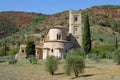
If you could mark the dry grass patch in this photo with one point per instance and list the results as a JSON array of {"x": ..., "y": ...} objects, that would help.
[{"x": 23, "y": 70}]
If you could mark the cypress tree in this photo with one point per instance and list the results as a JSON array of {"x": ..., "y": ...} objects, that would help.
[
  {"x": 116, "y": 43},
  {"x": 86, "y": 35},
  {"x": 5, "y": 48},
  {"x": 30, "y": 48}
]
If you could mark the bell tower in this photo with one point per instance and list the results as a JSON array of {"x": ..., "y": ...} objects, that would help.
[{"x": 75, "y": 27}]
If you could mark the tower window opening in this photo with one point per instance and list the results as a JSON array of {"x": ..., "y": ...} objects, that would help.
[
  {"x": 76, "y": 19},
  {"x": 76, "y": 29}
]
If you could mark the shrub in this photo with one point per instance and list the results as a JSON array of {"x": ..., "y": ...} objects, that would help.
[
  {"x": 79, "y": 52},
  {"x": 1, "y": 60},
  {"x": 75, "y": 62},
  {"x": 40, "y": 18},
  {"x": 95, "y": 56},
  {"x": 109, "y": 55},
  {"x": 32, "y": 59},
  {"x": 12, "y": 60},
  {"x": 116, "y": 55},
  {"x": 13, "y": 51},
  {"x": 51, "y": 64},
  {"x": 103, "y": 48}
]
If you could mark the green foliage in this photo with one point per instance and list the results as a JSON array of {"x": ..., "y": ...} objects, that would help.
[
  {"x": 86, "y": 36},
  {"x": 51, "y": 64},
  {"x": 2, "y": 52},
  {"x": 116, "y": 55},
  {"x": 116, "y": 43},
  {"x": 2, "y": 60},
  {"x": 102, "y": 48},
  {"x": 79, "y": 52},
  {"x": 12, "y": 60},
  {"x": 8, "y": 28},
  {"x": 95, "y": 56},
  {"x": 30, "y": 48},
  {"x": 111, "y": 6},
  {"x": 5, "y": 48},
  {"x": 113, "y": 24},
  {"x": 32, "y": 59},
  {"x": 39, "y": 19},
  {"x": 102, "y": 51},
  {"x": 31, "y": 28},
  {"x": 109, "y": 54},
  {"x": 101, "y": 35},
  {"x": 75, "y": 62},
  {"x": 12, "y": 52}
]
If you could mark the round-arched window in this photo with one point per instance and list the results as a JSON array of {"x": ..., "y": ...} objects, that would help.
[{"x": 59, "y": 36}]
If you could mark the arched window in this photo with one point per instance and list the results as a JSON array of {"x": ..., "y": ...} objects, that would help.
[{"x": 58, "y": 36}]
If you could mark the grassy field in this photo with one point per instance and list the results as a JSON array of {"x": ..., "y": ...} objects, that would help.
[{"x": 23, "y": 70}]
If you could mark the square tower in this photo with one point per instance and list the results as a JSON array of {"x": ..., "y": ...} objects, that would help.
[{"x": 75, "y": 27}]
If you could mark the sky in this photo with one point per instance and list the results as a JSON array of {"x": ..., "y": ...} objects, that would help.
[{"x": 51, "y": 6}]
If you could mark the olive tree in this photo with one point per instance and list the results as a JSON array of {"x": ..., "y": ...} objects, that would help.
[
  {"x": 51, "y": 64},
  {"x": 75, "y": 62}
]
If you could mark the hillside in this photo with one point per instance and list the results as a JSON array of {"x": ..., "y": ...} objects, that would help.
[
  {"x": 19, "y": 27},
  {"x": 106, "y": 16},
  {"x": 12, "y": 22}
]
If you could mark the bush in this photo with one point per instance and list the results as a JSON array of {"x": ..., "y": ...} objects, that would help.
[
  {"x": 116, "y": 55},
  {"x": 12, "y": 52},
  {"x": 32, "y": 59},
  {"x": 79, "y": 52},
  {"x": 1, "y": 60},
  {"x": 75, "y": 62},
  {"x": 103, "y": 48},
  {"x": 95, "y": 56},
  {"x": 109, "y": 55},
  {"x": 12, "y": 60},
  {"x": 51, "y": 64}
]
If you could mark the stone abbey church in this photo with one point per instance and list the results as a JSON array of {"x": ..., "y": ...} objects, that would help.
[{"x": 57, "y": 42}]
